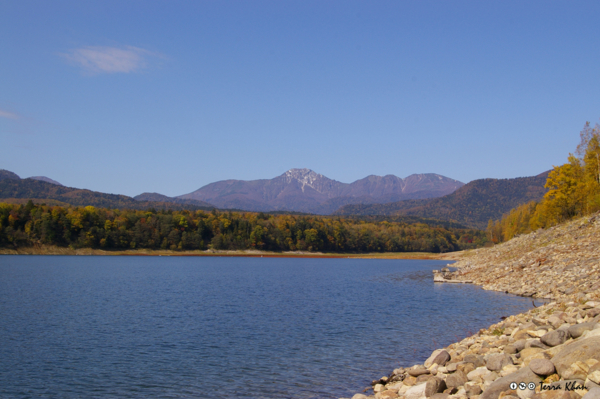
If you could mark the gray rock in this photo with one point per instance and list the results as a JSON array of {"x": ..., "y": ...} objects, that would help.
[
  {"x": 441, "y": 358},
  {"x": 477, "y": 360},
  {"x": 416, "y": 392},
  {"x": 542, "y": 366},
  {"x": 456, "y": 380},
  {"x": 434, "y": 385},
  {"x": 555, "y": 338},
  {"x": 417, "y": 371},
  {"x": 538, "y": 322},
  {"x": 520, "y": 344},
  {"x": 510, "y": 349},
  {"x": 587, "y": 348},
  {"x": 472, "y": 389},
  {"x": 503, "y": 384},
  {"x": 578, "y": 329},
  {"x": 593, "y": 312},
  {"x": 440, "y": 396},
  {"x": 497, "y": 361},
  {"x": 452, "y": 367},
  {"x": 593, "y": 393},
  {"x": 536, "y": 343},
  {"x": 555, "y": 321}
]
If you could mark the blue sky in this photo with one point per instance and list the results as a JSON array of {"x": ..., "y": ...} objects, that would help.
[{"x": 167, "y": 96}]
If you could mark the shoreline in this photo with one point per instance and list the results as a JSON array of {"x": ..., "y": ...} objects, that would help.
[
  {"x": 551, "y": 351},
  {"x": 54, "y": 250}
]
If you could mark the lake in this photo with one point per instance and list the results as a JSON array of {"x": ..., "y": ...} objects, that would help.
[{"x": 208, "y": 327}]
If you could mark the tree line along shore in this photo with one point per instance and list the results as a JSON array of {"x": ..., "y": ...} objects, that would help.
[{"x": 31, "y": 225}]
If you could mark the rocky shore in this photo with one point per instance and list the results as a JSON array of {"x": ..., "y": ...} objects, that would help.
[{"x": 550, "y": 352}]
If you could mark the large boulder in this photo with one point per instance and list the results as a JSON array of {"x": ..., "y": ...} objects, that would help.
[
  {"x": 579, "y": 350},
  {"x": 593, "y": 393},
  {"x": 503, "y": 384}
]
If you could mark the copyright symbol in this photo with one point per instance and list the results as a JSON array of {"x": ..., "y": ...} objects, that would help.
[
  {"x": 531, "y": 386},
  {"x": 513, "y": 385}
]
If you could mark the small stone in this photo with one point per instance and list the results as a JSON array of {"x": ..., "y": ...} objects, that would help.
[
  {"x": 541, "y": 366},
  {"x": 456, "y": 380},
  {"x": 439, "y": 396},
  {"x": 555, "y": 321},
  {"x": 578, "y": 329},
  {"x": 410, "y": 381},
  {"x": 451, "y": 368},
  {"x": 466, "y": 367},
  {"x": 434, "y": 385},
  {"x": 472, "y": 389},
  {"x": 416, "y": 392},
  {"x": 497, "y": 361},
  {"x": 477, "y": 360},
  {"x": 417, "y": 371},
  {"x": 593, "y": 312},
  {"x": 555, "y": 338},
  {"x": 478, "y": 372},
  {"x": 508, "y": 369},
  {"x": 389, "y": 394},
  {"x": 520, "y": 344},
  {"x": 439, "y": 356}
]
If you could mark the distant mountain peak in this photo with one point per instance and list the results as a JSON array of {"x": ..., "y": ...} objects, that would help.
[
  {"x": 7, "y": 174},
  {"x": 46, "y": 179},
  {"x": 305, "y": 177}
]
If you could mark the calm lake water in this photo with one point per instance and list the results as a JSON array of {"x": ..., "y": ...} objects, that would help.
[{"x": 188, "y": 327}]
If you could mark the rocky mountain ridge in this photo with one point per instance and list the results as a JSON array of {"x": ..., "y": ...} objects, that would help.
[{"x": 304, "y": 190}]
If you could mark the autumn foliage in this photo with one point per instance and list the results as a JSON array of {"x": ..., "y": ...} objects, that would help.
[
  {"x": 90, "y": 227},
  {"x": 573, "y": 191}
]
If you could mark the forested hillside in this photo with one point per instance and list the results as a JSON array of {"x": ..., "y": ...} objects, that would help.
[
  {"x": 30, "y": 224},
  {"x": 573, "y": 191},
  {"x": 40, "y": 191},
  {"x": 474, "y": 204}
]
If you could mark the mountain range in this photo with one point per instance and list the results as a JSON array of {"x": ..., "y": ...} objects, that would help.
[
  {"x": 419, "y": 197},
  {"x": 13, "y": 189},
  {"x": 474, "y": 204},
  {"x": 303, "y": 190}
]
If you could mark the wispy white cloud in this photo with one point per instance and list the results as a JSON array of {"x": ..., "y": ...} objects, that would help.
[
  {"x": 100, "y": 59},
  {"x": 9, "y": 115}
]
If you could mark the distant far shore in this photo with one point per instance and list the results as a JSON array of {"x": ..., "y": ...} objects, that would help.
[{"x": 54, "y": 250}]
